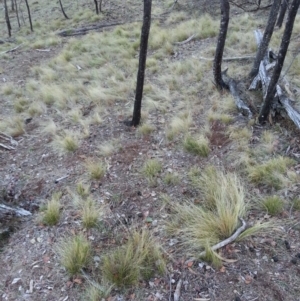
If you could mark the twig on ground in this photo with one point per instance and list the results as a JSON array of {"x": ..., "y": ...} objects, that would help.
[
  {"x": 11, "y": 50},
  {"x": 228, "y": 240},
  {"x": 186, "y": 41},
  {"x": 228, "y": 59},
  {"x": 61, "y": 178},
  {"x": 43, "y": 50},
  {"x": 177, "y": 290},
  {"x": 6, "y": 147}
]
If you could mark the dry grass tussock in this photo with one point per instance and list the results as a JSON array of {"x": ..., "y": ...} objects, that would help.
[
  {"x": 223, "y": 202},
  {"x": 140, "y": 258}
]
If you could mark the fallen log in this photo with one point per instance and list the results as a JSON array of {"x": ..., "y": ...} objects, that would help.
[
  {"x": 286, "y": 103},
  {"x": 12, "y": 211},
  {"x": 237, "y": 95},
  {"x": 85, "y": 30},
  {"x": 281, "y": 100}
]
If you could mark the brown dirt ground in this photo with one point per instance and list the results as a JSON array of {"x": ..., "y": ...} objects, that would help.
[{"x": 263, "y": 270}]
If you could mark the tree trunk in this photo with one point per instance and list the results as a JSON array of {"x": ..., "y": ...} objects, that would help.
[
  {"x": 12, "y": 5},
  {"x": 17, "y": 13},
  {"x": 7, "y": 18},
  {"x": 29, "y": 15},
  {"x": 62, "y": 9},
  {"x": 142, "y": 63},
  {"x": 283, "y": 7},
  {"x": 280, "y": 60},
  {"x": 266, "y": 38},
  {"x": 96, "y": 6},
  {"x": 225, "y": 8}
]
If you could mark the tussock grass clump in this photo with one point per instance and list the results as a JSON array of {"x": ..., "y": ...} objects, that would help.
[
  {"x": 223, "y": 203},
  {"x": 273, "y": 204},
  {"x": 8, "y": 89},
  {"x": 83, "y": 190},
  {"x": 97, "y": 292},
  {"x": 95, "y": 168},
  {"x": 137, "y": 259},
  {"x": 197, "y": 146},
  {"x": 52, "y": 212},
  {"x": 151, "y": 168},
  {"x": 16, "y": 127},
  {"x": 296, "y": 204},
  {"x": 75, "y": 253},
  {"x": 272, "y": 173},
  {"x": 171, "y": 178},
  {"x": 146, "y": 129},
  {"x": 109, "y": 147},
  {"x": 90, "y": 213},
  {"x": 66, "y": 143}
]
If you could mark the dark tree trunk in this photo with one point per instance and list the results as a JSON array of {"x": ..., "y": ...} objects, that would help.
[
  {"x": 266, "y": 38},
  {"x": 12, "y": 5},
  {"x": 283, "y": 7},
  {"x": 225, "y": 8},
  {"x": 142, "y": 63},
  {"x": 96, "y": 6},
  {"x": 7, "y": 18},
  {"x": 29, "y": 15},
  {"x": 17, "y": 13},
  {"x": 100, "y": 6},
  {"x": 280, "y": 60},
  {"x": 62, "y": 9}
]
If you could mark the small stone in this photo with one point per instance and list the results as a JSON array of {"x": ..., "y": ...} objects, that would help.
[
  {"x": 16, "y": 280},
  {"x": 294, "y": 260},
  {"x": 275, "y": 258},
  {"x": 287, "y": 245}
]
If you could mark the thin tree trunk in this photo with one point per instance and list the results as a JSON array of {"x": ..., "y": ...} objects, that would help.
[
  {"x": 62, "y": 9},
  {"x": 100, "y": 6},
  {"x": 225, "y": 8},
  {"x": 266, "y": 38},
  {"x": 283, "y": 7},
  {"x": 7, "y": 18},
  {"x": 12, "y": 5},
  {"x": 17, "y": 13},
  {"x": 280, "y": 60},
  {"x": 142, "y": 63},
  {"x": 29, "y": 15},
  {"x": 96, "y": 6},
  {"x": 20, "y": 10}
]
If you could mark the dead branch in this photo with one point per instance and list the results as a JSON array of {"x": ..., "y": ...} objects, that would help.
[
  {"x": 85, "y": 30},
  {"x": 6, "y": 210},
  {"x": 177, "y": 290},
  {"x": 6, "y": 146},
  {"x": 228, "y": 59},
  {"x": 11, "y": 50},
  {"x": 286, "y": 103},
  {"x": 186, "y": 41},
  {"x": 228, "y": 240},
  {"x": 43, "y": 50},
  {"x": 237, "y": 95}
]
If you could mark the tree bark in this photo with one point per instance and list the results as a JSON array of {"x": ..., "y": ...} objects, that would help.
[
  {"x": 142, "y": 63},
  {"x": 29, "y": 15},
  {"x": 62, "y": 9},
  {"x": 264, "y": 112},
  {"x": 225, "y": 8},
  {"x": 96, "y": 6},
  {"x": 12, "y": 5},
  {"x": 17, "y": 13},
  {"x": 7, "y": 18},
  {"x": 283, "y": 7},
  {"x": 266, "y": 38}
]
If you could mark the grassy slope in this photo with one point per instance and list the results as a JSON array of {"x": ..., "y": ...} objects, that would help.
[{"x": 91, "y": 82}]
